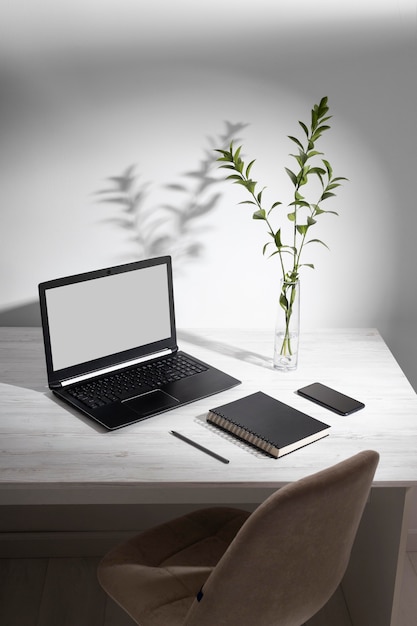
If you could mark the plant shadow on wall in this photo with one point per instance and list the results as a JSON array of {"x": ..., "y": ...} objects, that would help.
[{"x": 172, "y": 228}]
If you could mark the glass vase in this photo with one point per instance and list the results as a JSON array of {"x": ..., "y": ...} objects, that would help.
[{"x": 287, "y": 327}]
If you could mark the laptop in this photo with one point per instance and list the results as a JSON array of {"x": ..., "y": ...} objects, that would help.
[{"x": 111, "y": 346}]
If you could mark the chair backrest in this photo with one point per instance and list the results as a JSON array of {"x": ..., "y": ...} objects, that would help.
[{"x": 292, "y": 552}]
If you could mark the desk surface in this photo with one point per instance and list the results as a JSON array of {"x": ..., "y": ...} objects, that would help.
[{"x": 51, "y": 454}]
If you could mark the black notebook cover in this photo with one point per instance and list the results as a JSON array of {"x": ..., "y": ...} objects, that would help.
[{"x": 268, "y": 424}]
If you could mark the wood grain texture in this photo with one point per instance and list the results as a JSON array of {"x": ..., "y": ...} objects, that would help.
[{"x": 50, "y": 453}]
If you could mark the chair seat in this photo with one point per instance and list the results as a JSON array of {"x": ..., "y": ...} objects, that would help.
[
  {"x": 157, "y": 574},
  {"x": 225, "y": 567}
]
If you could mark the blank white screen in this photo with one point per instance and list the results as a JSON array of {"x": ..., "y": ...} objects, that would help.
[{"x": 96, "y": 318}]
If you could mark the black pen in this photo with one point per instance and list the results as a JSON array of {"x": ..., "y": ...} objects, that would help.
[{"x": 197, "y": 445}]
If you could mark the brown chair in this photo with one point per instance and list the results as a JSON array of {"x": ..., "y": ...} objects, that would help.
[{"x": 225, "y": 567}]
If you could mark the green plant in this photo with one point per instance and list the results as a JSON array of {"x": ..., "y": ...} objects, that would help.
[{"x": 303, "y": 214}]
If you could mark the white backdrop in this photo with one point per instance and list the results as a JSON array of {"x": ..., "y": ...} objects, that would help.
[{"x": 89, "y": 88}]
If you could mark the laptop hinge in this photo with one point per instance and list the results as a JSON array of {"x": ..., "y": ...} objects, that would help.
[{"x": 114, "y": 368}]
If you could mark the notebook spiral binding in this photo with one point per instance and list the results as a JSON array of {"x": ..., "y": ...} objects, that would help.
[{"x": 236, "y": 429}]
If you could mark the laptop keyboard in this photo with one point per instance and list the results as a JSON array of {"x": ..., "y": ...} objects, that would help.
[{"x": 140, "y": 379}]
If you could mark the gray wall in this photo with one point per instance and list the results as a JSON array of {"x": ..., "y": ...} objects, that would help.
[{"x": 87, "y": 89}]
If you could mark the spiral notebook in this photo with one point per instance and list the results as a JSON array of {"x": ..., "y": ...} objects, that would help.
[{"x": 268, "y": 424}]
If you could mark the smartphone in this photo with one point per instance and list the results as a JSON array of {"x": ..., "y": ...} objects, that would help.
[{"x": 330, "y": 399}]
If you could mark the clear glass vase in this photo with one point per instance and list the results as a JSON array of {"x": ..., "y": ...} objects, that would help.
[{"x": 287, "y": 327}]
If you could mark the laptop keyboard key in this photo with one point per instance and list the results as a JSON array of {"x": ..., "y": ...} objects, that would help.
[{"x": 136, "y": 381}]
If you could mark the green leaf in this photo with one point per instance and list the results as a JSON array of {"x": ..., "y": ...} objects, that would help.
[
  {"x": 277, "y": 238},
  {"x": 248, "y": 202},
  {"x": 304, "y": 127},
  {"x": 259, "y": 215},
  {"x": 248, "y": 184},
  {"x": 291, "y": 216},
  {"x": 300, "y": 159},
  {"x": 320, "y": 211},
  {"x": 311, "y": 221},
  {"x": 274, "y": 205},
  {"x": 324, "y": 119},
  {"x": 307, "y": 265},
  {"x": 259, "y": 196},
  {"x": 304, "y": 157},
  {"x": 320, "y": 178},
  {"x": 292, "y": 176},
  {"x": 322, "y": 107},
  {"x": 328, "y": 167},
  {"x": 302, "y": 228},
  {"x": 314, "y": 116},
  {"x": 291, "y": 277},
  {"x": 283, "y": 301},
  {"x": 236, "y": 155},
  {"x": 327, "y": 194},
  {"x": 299, "y": 203},
  {"x": 281, "y": 251},
  {"x": 317, "y": 170},
  {"x": 248, "y": 169},
  {"x": 265, "y": 247},
  {"x": 236, "y": 177},
  {"x": 317, "y": 241},
  {"x": 303, "y": 176},
  {"x": 297, "y": 141}
]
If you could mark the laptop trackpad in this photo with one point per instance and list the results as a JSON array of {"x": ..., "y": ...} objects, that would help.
[{"x": 152, "y": 402}]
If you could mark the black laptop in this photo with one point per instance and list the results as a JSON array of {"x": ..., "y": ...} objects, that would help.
[{"x": 111, "y": 346}]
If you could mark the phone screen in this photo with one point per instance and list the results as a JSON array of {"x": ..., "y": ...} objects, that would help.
[{"x": 331, "y": 399}]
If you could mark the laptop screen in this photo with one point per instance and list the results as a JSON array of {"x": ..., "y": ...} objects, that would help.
[{"x": 99, "y": 318}]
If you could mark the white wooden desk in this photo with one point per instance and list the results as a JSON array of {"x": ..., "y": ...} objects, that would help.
[{"x": 52, "y": 455}]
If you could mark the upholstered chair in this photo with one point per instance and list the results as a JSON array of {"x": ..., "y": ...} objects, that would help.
[{"x": 277, "y": 566}]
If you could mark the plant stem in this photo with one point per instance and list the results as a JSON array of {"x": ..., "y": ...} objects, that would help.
[{"x": 287, "y": 304}]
